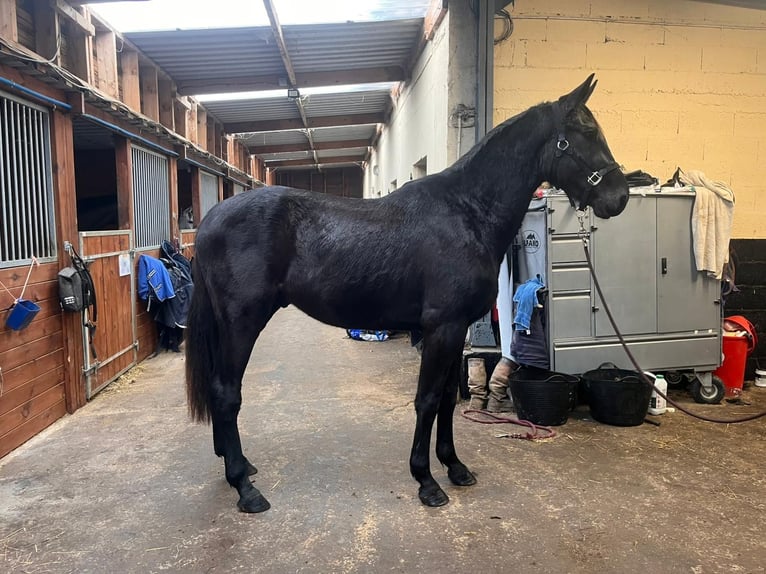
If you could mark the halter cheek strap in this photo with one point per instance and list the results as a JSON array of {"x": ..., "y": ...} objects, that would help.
[{"x": 563, "y": 147}]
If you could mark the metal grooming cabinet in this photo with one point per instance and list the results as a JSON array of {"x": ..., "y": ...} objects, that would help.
[{"x": 668, "y": 312}]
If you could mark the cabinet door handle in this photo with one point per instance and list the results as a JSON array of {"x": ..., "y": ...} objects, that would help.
[{"x": 664, "y": 265}]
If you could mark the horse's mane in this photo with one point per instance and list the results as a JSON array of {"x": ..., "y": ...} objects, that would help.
[
  {"x": 583, "y": 115},
  {"x": 491, "y": 136}
]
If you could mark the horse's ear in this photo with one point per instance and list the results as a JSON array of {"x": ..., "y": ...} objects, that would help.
[{"x": 579, "y": 95}]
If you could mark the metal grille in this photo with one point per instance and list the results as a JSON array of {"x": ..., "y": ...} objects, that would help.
[
  {"x": 208, "y": 193},
  {"x": 27, "y": 225},
  {"x": 151, "y": 197}
]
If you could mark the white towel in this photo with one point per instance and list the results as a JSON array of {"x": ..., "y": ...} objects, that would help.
[{"x": 711, "y": 222}]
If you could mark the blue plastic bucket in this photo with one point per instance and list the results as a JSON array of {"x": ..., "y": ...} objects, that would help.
[{"x": 21, "y": 314}]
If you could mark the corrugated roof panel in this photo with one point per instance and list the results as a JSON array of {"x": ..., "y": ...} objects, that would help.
[
  {"x": 229, "y": 111},
  {"x": 324, "y": 166},
  {"x": 192, "y": 55},
  {"x": 319, "y": 105},
  {"x": 274, "y": 138},
  {"x": 287, "y": 155},
  {"x": 342, "y": 133},
  {"x": 351, "y": 45},
  {"x": 326, "y": 154}
]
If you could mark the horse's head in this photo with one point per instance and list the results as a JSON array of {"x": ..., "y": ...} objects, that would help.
[{"x": 579, "y": 158}]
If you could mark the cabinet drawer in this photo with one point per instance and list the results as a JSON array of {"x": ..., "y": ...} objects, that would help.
[
  {"x": 567, "y": 251},
  {"x": 563, "y": 219},
  {"x": 571, "y": 316},
  {"x": 570, "y": 279}
]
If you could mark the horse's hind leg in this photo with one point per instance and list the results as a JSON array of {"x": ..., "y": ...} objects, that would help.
[
  {"x": 457, "y": 472},
  {"x": 226, "y": 401},
  {"x": 440, "y": 347}
]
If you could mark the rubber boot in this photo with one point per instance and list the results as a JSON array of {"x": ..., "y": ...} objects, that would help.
[
  {"x": 477, "y": 384},
  {"x": 499, "y": 399}
]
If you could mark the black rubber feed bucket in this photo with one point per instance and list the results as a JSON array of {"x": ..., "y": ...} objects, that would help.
[
  {"x": 543, "y": 397},
  {"x": 617, "y": 396}
]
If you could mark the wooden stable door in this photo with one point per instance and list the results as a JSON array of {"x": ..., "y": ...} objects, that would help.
[{"x": 109, "y": 255}]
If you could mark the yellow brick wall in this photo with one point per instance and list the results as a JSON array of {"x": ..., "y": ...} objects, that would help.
[{"x": 681, "y": 83}]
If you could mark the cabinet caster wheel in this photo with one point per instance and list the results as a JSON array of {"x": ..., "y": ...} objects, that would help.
[{"x": 708, "y": 396}]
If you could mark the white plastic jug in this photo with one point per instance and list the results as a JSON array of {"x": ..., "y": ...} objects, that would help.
[{"x": 657, "y": 404}]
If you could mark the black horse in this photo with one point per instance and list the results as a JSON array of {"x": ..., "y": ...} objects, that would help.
[{"x": 423, "y": 259}]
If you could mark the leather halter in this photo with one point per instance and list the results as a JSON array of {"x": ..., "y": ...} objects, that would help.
[{"x": 563, "y": 147}]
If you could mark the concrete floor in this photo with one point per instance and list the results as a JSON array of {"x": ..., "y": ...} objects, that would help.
[{"x": 128, "y": 484}]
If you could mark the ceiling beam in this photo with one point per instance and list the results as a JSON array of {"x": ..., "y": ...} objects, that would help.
[
  {"x": 304, "y": 80},
  {"x": 295, "y": 124},
  {"x": 279, "y": 38},
  {"x": 311, "y": 161},
  {"x": 283, "y": 148}
]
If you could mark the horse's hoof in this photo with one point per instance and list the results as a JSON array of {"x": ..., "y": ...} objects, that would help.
[
  {"x": 461, "y": 476},
  {"x": 253, "y": 503},
  {"x": 251, "y": 470},
  {"x": 433, "y": 498}
]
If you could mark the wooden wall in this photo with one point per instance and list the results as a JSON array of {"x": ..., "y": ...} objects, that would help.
[
  {"x": 31, "y": 360},
  {"x": 343, "y": 182}
]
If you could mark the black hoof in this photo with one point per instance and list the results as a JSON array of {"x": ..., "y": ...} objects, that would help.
[
  {"x": 433, "y": 497},
  {"x": 461, "y": 476},
  {"x": 251, "y": 470},
  {"x": 253, "y": 503}
]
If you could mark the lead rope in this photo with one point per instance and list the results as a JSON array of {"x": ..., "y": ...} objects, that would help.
[
  {"x": 583, "y": 236},
  {"x": 488, "y": 418},
  {"x": 24, "y": 288}
]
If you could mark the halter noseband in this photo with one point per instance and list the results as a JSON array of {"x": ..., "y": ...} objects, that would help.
[{"x": 563, "y": 147}]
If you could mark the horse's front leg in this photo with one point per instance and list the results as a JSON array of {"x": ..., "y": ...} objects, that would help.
[
  {"x": 440, "y": 347},
  {"x": 457, "y": 472}
]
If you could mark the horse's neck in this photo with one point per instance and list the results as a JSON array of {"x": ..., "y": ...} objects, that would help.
[{"x": 504, "y": 174}]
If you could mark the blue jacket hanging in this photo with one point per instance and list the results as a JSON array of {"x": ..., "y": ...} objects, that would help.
[
  {"x": 526, "y": 301},
  {"x": 153, "y": 279}
]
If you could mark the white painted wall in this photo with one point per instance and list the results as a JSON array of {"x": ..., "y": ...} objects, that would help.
[{"x": 420, "y": 125}]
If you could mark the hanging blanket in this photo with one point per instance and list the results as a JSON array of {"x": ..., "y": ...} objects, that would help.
[{"x": 712, "y": 217}]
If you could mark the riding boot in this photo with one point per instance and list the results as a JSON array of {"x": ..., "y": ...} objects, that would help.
[
  {"x": 477, "y": 383},
  {"x": 499, "y": 399}
]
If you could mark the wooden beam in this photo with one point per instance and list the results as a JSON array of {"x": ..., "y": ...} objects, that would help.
[
  {"x": 202, "y": 127},
  {"x": 311, "y": 161},
  {"x": 191, "y": 124},
  {"x": 196, "y": 186},
  {"x": 166, "y": 93},
  {"x": 175, "y": 230},
  {"x": 46, "y": 32},
  {"x": 218, "y": 150},
  {"x": 124, "y": 161},
  {"x": 279, "y": 38},
  {"x": 211, "y": 131},
  {"x": 263, "y": 149},
  {"x": 179, "y": 115},
  {"x": 321, "y": 122},
  {"x": 9, "y": 26},
  {"x": 74, "y": 16},
  {"x": 433, "y": 18},
  {"x": 62, "y": 154},
  {"x": 106, "y": 63},
  {"x": 80, "y": 48},
  {"x": 150, "y": 102},
  {"x": 129, "y": 78},
  {"x": 228, "y": 151},
  {"x": 305, "y": 80}
]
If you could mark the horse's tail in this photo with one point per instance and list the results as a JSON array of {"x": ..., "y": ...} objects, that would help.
[{"x": 201, "y": 343}]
